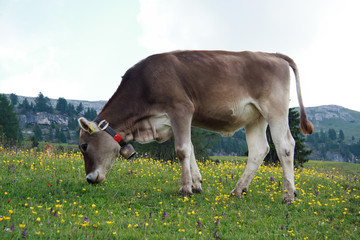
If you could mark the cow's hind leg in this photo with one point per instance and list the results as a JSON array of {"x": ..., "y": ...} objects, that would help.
[
  {"x": 285, "y": 144},
  {"x": 195, "y": 173},
  {"x": 258, "y": 148}
]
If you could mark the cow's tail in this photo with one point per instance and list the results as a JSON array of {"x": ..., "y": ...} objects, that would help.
[{"x": 305, "y": 125}]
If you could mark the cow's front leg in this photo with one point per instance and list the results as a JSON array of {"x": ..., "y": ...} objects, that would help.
[
  {"x": 180, "y": 118},
  {"x": 195, "y": 173},
  {"x": 183, "y": 153}
]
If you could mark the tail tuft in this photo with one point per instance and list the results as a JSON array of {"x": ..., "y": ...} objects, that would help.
[{"x": 305, "y": 125}]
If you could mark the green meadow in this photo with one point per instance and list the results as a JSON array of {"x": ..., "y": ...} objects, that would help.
[{"x": 47, "y": 197}]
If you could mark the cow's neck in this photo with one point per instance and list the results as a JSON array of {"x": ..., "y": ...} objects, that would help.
[
  {"x": 128, "y": 114},
  {"x": 122, "y": 120},
  {"x": 136, "y": 124}
]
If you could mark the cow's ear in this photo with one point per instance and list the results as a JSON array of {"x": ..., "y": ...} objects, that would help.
[{"x": 85, "y": 125}]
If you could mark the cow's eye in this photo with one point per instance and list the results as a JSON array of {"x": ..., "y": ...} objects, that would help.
[{"x": 84, "y": 146}]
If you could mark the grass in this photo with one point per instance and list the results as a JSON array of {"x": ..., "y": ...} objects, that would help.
[
  {"x": 45, "y": 197},
  {"x": 338, "y": 168}
]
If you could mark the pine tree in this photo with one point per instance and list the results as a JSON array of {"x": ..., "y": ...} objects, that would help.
[
  {"x": 60, "y": 136},
  {"x": 34, "y": 142},
  {"x": 71, "y": 110},
  {"x": 25, "y": 106},
  {"x": 38, "y": 132},
  {"x": 300, "y": 153},
  {"x": 341, "y": 136},
  {"x": 90, "y": 114},
  {"x": 332, "y": 134},
  {"x": 42, "y": 104},
  {"x": 14, "y": 99},
  {"x": 61, "y": 105},
  {"x": 79, "y": 108},
  {"x": 8, "y": 121}
]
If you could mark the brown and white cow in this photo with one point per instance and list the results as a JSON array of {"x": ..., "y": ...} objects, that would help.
[{"x": 164, "y": 94}]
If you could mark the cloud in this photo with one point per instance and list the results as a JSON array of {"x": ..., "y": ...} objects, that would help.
[
  {"x": 329, "y": 64},
  {"x": 275, "y": 25},
  {"x": 66, "y": 48},
  {"x": 44, "y": 75},
  {"x": 320, "y": 35},
  {"x": 80, "y": 49}
]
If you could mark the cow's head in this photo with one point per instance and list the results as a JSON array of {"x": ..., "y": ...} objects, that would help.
[{"x": 100, "y": 150}]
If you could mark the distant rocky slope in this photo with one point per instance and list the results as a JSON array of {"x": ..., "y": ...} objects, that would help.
[
  {"x": 335, "y": 117},
  {"x": 54, "y": 125},
  {"x": 97, "y": 105}
]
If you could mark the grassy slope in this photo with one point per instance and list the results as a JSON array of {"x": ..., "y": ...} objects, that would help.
[
  {"x": 339, "y": 168},
  {"x": 49, "y": 198},
  {"x": 350, "y": 128}
]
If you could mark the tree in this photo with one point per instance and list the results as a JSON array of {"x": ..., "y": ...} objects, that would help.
[
  {"x": 42, "y": 104},
  {"x": 300, "y": 153},
  {"x": 50, "y": 136},
  {"x": 73, "y": 124},
  {"x": 71, "y": 110},
  {"x": 79, "y": 108},
  {"x": 90, "y": 114},
  {"x": 14, "y": 99},
  {"x": 332, "y": 134},
  {"x": 60, "y": 136},
  {"x": 38, "y": 132},
  {"x": 25, "y": 106},
  {"x": 341, "y": 135},
  {"x": 61, "y": 105},
  {"x": 8, "y": 121},
  {"x": 34, "y": 142}
]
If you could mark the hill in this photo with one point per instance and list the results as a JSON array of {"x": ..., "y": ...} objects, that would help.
[
  {"x": 337, "y": 118},
  {"x": 52, "y": 124}
]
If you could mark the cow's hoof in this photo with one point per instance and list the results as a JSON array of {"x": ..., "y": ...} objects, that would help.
[
  {"x": 235, "y": 193},
  {"x": 287, "y": 201},
  {"x": 289, "y": 198},
  {"x": 197, "y": 189},
  {"x": 185, "y": 191}
]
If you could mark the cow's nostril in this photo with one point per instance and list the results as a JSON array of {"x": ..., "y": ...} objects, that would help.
[
  {"x": 89, "y": 180},
  {"x": 92, "y": 177}
]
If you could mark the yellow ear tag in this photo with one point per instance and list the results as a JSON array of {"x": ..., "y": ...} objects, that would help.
[{"x": 91, "y": 129}]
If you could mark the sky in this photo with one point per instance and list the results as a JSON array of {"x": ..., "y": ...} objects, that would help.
[{"x": 81, "y": 49}]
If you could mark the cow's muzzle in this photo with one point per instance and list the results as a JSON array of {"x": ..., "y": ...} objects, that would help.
[
  {"x": 93, "y": 177},
  {"x": 127, "y": 151}
]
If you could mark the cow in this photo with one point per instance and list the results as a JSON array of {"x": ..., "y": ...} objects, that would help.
[{"x": 165, "y": 94}]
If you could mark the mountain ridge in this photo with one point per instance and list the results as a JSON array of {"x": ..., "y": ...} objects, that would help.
[{"x": 335, "y": 117}]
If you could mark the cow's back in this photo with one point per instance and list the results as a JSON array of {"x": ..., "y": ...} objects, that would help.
[{"x": 225, "y": 88}]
